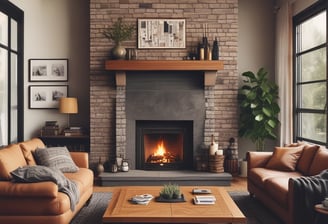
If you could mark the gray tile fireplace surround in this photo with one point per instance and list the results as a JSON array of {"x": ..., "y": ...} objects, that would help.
[{"x": 153, "y": 178}]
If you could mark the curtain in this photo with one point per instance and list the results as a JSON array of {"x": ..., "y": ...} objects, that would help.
[{"x": 284, "y": 75}]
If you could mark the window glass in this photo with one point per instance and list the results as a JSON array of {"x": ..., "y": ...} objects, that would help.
[
  {"x": 3, "y": 97},
  {"x": 310, "y": 74},
  {"x": 313, "y": 96},
  {"x": 3, "y": 29},
  {"x": 14, "y": 99},
  {"x": 313, "y": 65},
  {"x": 313, "y": 32},
  {"x": 313, "y": 126},
  {"x": 13, "y": 35}
]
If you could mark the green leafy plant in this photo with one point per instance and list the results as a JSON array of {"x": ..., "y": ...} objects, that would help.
[
  {"x": 258, "y": 107},
  {"x": 120, "y": 31},
  {"x": 170, "y": 191}
]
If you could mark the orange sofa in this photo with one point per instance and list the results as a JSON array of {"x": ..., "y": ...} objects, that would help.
[
  {"x": 271, "y": 175},
  {"x": 39, "y": 202}
]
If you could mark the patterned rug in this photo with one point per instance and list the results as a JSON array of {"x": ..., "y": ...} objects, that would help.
[
  {"x": 255, "y": 212},
  {"x": 93, "y": 212}
]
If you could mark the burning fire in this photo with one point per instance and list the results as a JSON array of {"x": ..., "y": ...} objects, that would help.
[
  {"x": 160, "y": 150},
  {"x": 162, "y": 155}
]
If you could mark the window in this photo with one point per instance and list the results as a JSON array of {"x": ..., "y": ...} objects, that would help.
[
  {"x": 310, "y": 74},
  {"x": 11, "y": 73}
]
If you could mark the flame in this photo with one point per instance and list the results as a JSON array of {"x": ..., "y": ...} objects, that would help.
[{"x": 160, "y": 150}]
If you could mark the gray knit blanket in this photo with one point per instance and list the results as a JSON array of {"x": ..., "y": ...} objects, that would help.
[{"x": 33, "y": 174}]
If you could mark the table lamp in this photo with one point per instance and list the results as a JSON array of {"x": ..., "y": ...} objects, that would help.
[{"x": 68, "y": 105}]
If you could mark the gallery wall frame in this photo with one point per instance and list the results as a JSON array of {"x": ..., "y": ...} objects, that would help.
[
  {"x": 46, "y": 96},
  {"x": 48, "y": 70},
  {"x": 161, "y": 33}
]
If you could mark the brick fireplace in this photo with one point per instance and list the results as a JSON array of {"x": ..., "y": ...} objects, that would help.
[
  {"x": 162, "y": 92},
  {"x": 110, "y": 129}
]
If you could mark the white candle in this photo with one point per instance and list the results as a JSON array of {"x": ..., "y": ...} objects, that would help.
[
  {"x": 213, "y": 148},
  {"x": 219, "y": 152}
]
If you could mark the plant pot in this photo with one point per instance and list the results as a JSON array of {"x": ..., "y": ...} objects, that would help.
[{"x": 118, "y": 52}]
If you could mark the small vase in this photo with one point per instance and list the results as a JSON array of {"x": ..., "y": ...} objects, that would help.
[
  {"x": 100, "y": 167},
  {"x": 118, "y": 52}
]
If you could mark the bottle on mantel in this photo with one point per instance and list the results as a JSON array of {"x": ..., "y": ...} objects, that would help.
[{"x": 215, "y": 49}]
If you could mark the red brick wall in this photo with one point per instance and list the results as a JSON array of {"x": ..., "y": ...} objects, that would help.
[{"x": 221, "y": 17}]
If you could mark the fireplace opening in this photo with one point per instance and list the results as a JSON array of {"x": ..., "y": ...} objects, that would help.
[{"x": 164, "y": 145}]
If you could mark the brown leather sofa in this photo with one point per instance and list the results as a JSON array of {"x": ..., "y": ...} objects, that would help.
[
  {"x": 271, "y": 175},
  {"x": 39, "y": 202}
]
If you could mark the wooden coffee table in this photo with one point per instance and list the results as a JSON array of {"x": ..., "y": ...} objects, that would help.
[{"x": 120, "y": 210}]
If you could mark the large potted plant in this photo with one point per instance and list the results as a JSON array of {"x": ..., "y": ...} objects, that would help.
[
  {"x": 258, "y": 107},
  {"x": 118, "y": 33}
]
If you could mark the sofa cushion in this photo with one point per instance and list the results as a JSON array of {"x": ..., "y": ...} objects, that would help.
[
  {"x": 55, "y": 157},
  {"x": 277, "y": 188},
  {"x": 304, "y": 162},
  {"x": 83, "y": 178},
  {"x": 320, "y": 162},
  {"x": 28, "y": 147},
  {"x": 285, "y": 158},
  {"x": 260, "y": 175},
  {"x": 11, "y": 158}
]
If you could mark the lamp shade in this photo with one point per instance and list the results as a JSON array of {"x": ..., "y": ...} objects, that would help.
[{"x": 68, "y": 105}]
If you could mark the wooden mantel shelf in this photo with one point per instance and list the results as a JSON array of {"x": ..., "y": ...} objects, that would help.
[
  {"x": 164, "y": 65},
  {"x": 120, "y": 67}
]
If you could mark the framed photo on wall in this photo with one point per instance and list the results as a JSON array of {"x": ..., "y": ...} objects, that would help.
[
  {"x": 46, "y": 97},
  {"x": 46, "y": 70},
  {"x": 161, "y": 33}
]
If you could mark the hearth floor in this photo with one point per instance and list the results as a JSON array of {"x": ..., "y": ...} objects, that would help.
[{"x": 181, "y": 177}]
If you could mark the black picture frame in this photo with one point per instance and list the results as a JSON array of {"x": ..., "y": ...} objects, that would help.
[
  {"x": 46, "y": 96},
  {"x": 48, "y": 70}
]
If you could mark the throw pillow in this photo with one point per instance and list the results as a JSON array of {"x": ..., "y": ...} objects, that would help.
[
  {"x": 284, "y": 158},
  {"x": 55, "y": 157},
  {"x": 11, "y": 158},
  {"x": 304, "y": 163},
  {"x": 28, "y": 147}
]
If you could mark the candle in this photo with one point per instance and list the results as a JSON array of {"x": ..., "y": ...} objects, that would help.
[
  {"x": 219, "y": 152},
  {"x": 213, "y": 149}
]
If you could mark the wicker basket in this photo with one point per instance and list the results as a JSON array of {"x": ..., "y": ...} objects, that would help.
[{"x": 216, "y": 163}]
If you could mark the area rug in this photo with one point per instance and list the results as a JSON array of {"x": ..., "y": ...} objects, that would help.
[
  {"x": 93, "y": 212},
  {"x": 255, "y": 212},
  {"x": 253, "y": 209}
]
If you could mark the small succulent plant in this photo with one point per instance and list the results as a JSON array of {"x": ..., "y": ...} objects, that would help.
[{"x": 170, "y": 191}]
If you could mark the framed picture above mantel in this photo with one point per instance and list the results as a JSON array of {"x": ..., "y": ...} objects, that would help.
[
  {"x": 46, "y": 70},
  {"x": 161, "y": 33}
]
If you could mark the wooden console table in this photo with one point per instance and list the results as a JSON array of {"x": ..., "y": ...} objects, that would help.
[{"x": 73, "y": 143}]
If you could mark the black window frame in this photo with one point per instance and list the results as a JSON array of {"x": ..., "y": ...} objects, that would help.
[
  {"x": 15, "y": 13},
  {"x": 308, "y": 13}
]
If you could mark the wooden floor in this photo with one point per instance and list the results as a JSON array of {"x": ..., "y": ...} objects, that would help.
[{"x": 237, "y": 184}]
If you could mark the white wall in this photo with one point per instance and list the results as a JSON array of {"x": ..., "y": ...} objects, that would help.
[
  {"x": 256, "y": 44},
  {"x": 255, "y": 47},
  {"x": 57, "y": 29}
]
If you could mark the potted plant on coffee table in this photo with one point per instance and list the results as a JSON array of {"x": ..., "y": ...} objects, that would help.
[
  {"x": 258, "y": 107},
  {"x": 170, "y": 193},
  {"x": 118, "y": 33}
]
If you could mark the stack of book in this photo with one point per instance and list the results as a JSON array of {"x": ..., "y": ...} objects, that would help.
[
  {"x": 204, "y": 199},
  {"x": 51, "y": 128},
  {"x": 143, "y": 199},
  {"x": 73, "y": 131}
]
